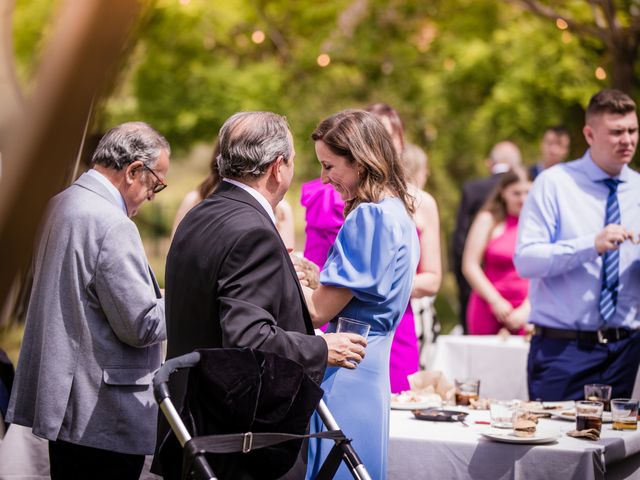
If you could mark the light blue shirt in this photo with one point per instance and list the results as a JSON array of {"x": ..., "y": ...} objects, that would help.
[
  {"x": 111, "y": 187},
  {"x": 562, "y": 215},
  {"x": 255, "y": 194}
]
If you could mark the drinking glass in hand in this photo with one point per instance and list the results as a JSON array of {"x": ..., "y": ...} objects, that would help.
[
  {"x": 596, "y": 392},
  {"x": 349, "y": 325},
  {"x": 466, "y": 391},
  {"x": 589, "y": 415},
  {"x": 624, "y": 413}
]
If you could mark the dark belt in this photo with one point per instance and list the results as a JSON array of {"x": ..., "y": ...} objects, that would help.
[{"x": 599, "y": 336}]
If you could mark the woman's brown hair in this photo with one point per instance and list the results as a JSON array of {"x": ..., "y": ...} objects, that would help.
[
  {"x": 495, "y": 204},
  {"x": 361, "y": 138}
]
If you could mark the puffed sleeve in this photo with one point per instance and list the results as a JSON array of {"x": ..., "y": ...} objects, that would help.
[{"x": 364, "y": 254}]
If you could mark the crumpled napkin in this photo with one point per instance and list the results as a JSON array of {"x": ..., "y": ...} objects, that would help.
[
  {"x": 589, "y": 434},
  {"x": 426, "y": 382}
]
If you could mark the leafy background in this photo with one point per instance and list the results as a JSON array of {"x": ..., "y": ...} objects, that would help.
[{"x": 463, "y": 74}]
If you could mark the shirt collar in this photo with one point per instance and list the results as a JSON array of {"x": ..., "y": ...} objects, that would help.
[
  {"x": 596, "y": 174},
  {"x": 255, "y": 194},
  {"x": 110, "y": 187}
]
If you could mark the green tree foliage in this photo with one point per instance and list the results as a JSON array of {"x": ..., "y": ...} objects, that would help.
[{"x": 463, "y": 74}]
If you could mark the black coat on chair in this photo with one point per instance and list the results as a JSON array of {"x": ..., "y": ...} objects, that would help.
[{"x": 244, "y": 390}]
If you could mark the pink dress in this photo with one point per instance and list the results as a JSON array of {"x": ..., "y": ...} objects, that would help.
[
  {"x": 499, "y": 269},
  {"x": 404, "y": 359},
  {"x": 324, "y": 217}
]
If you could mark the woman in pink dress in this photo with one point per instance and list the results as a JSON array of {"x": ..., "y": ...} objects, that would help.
[{"x": 499, "y": 297}]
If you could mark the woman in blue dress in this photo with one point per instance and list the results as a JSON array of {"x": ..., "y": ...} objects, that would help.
[{"x": 367, "y": 277}]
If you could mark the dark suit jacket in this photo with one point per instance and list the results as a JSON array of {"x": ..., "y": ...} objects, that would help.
[
  {"x": 474, "y": 194},
  {"x": 230, "y": 283},
  {"x": 534, "y": 171}
]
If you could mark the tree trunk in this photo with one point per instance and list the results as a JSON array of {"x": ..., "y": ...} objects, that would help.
[{"x": 623, "y": 76}]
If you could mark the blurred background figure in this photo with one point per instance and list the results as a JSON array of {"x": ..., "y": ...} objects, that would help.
[
  {"x": 554, "y": 149},
  {"x": 284, "y": 214},
  {"x": 405, "y": 351},
  {"x": 500, "y": 296},
  {"x": 504, "y": 156}
]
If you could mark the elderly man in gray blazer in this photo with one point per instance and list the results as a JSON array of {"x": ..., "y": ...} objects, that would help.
[{"x": 96, "y": 319}]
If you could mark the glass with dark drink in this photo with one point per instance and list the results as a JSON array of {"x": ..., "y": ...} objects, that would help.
[
  {"x": 597, "y": 392},
  {"x": 589, "y": 415},
  {"x": 467, "y": 390}
]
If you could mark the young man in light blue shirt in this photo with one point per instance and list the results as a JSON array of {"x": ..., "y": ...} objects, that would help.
[{"x": 577, "y": 245}]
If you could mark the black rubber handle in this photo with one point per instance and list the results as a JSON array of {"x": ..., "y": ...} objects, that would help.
[{"x": 160, "y": 389}]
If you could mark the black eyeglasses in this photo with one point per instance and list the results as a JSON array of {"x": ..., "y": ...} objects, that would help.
[{"x": 160, "y": 185}]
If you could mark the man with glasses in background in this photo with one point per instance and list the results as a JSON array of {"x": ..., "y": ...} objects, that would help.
[{"x": 96, "y": 318}]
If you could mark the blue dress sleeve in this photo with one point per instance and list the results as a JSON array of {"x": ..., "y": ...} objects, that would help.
[{"x": 364, "y": 254}]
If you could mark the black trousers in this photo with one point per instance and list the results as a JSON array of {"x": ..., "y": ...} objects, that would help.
[{"x": 70, "y": 462}]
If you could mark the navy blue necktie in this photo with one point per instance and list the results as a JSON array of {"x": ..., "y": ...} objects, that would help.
[{"x": 611, "y": 258}]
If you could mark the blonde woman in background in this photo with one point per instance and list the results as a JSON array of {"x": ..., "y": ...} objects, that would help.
[{"x": 405, "y": 353}]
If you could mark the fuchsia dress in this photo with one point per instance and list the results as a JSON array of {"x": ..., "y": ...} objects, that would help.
[
  {"x": 499, "y": 269},
  {"x": 324, "y": 216}
]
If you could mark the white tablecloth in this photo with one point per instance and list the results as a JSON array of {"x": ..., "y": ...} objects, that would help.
[
  {"x": 500, "y": 364},
  {"x": 439, "y": 450}
]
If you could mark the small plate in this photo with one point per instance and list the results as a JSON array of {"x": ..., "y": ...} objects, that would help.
[
  {"x": 570, "y": 415},
  {"x": 550, "y": 408},
  {"x": 410, "y": 405},
  {"x": 541, "y": 436},
  {"x": 439, "y": 415}
]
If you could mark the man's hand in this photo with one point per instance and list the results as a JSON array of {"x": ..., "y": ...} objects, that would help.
[
  {"x": 344, "y": 348},
  {"x": 610, "y": 238}
]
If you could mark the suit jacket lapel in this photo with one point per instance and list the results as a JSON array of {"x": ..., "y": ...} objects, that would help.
[{"x": 228, "y": 190}]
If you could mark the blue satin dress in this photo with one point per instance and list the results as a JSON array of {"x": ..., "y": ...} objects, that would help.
[{"x": 375, "y": 256}]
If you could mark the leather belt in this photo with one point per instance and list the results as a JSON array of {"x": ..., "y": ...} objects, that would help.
[{"x": 599, "y": 336}]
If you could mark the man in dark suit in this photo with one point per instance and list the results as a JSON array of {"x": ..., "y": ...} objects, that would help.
[
  {"x": 229, "y": 279},
  {"x": 504, "y": 156}
]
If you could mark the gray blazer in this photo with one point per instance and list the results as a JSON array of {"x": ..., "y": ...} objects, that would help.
[{"x": 94, "y": 326}]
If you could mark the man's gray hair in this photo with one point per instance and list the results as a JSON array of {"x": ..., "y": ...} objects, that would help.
[
  {"x": 250, "y": 142},
  {"x": 127, "y": 143}
]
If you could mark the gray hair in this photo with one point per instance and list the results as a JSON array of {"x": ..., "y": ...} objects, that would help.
[
  {"x": 250, "y": 142},
  {"x": 128, "y": 143}
]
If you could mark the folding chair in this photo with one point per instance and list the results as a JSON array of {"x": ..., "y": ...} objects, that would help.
[{"x": 195, "y": 465}]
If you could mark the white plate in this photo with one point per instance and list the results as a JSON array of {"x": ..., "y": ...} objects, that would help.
[
  {"x": 412, "y": 405},
  {"x": 541, "y": 436},
  {"x": 551, "y": 408},
  {"x": 571, "y": 417}
]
